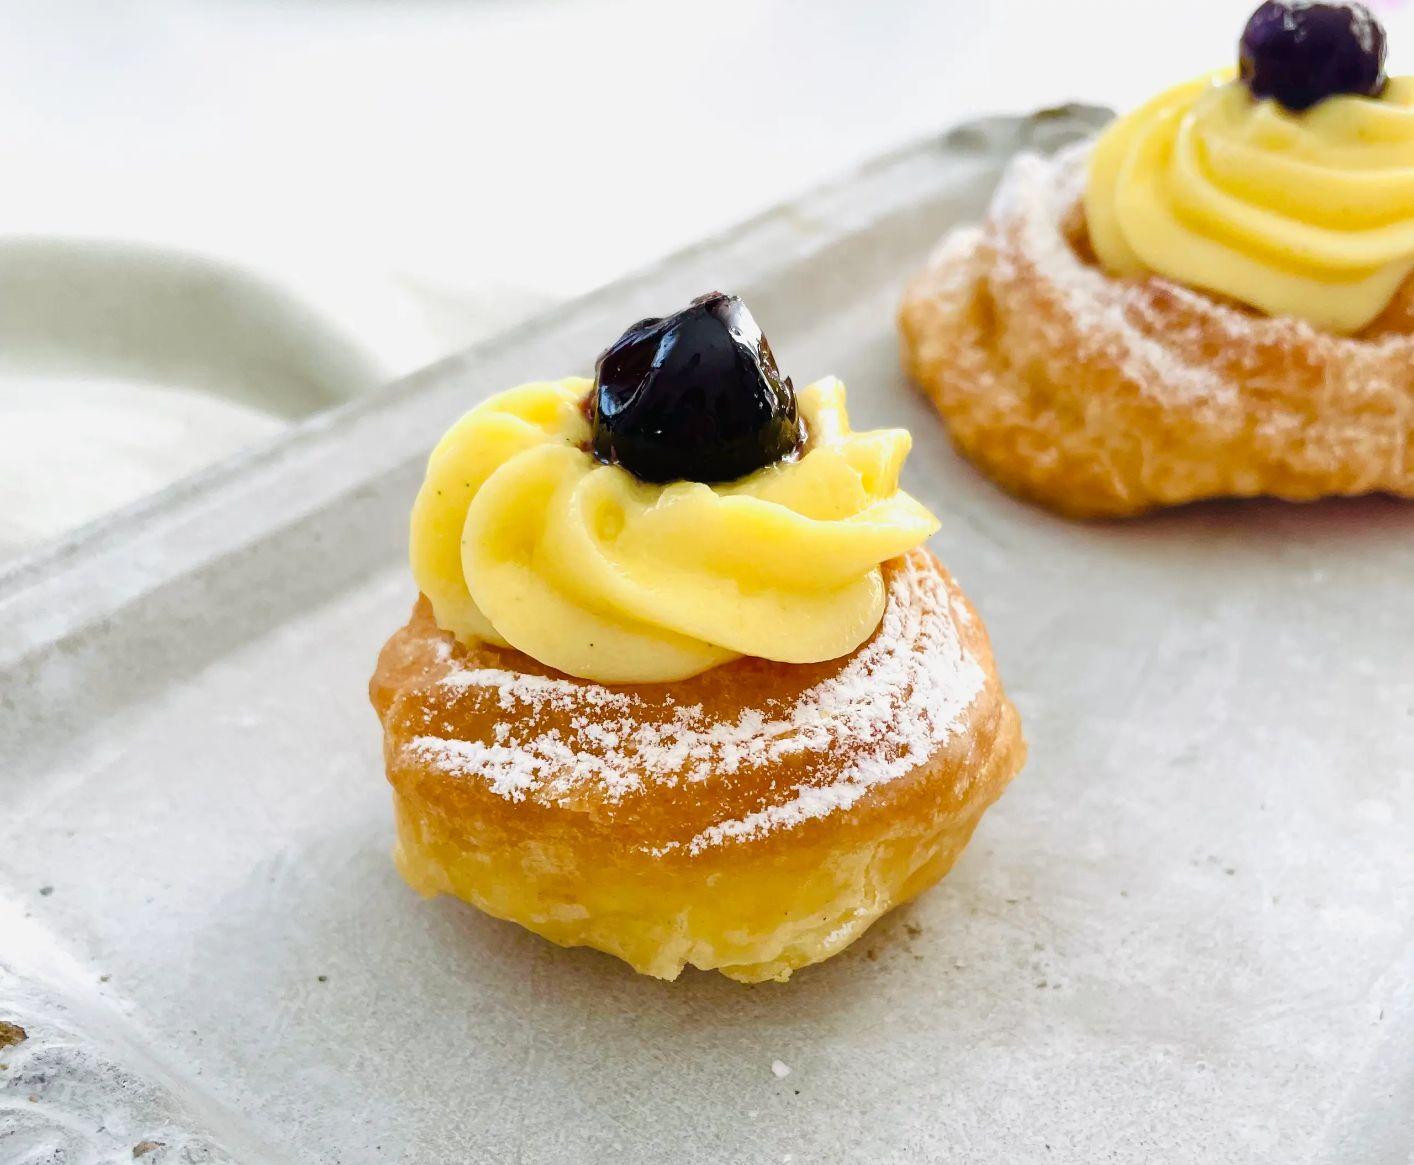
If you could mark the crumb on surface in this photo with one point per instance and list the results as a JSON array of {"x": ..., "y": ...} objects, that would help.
[
  {"x": 780, "y": 1069},
  {"x": 45, "y": 891},
  {"x": 912, "y": 929},
  {"x": 143, "y": 1148},
  {"x": 11, "y": 1034}
]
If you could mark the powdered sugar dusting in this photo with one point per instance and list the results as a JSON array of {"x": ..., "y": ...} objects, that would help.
[
  {"x": 1034, "y": 200},
  {"x": 887, "y": 711},
  {"x": 510, "y": 770},
  {"x": 900, "y": 705},
  {"x": 518, "y": 688}
]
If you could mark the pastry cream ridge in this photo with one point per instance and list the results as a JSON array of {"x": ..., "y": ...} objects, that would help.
[
  {"x": 521, "y": 538},
  {"x": 1297, "y": 214}
]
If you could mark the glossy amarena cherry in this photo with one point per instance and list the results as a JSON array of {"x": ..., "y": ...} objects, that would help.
[
  {"x": 1301, "y": 53},
  {"x": 695, "y": 396}
]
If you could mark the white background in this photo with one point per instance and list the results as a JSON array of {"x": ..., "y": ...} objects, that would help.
[{"x": 546, "y": 144}]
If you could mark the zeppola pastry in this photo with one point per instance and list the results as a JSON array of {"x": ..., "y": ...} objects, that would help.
[
  {"x": 682, "y": 683},
  {"x": 1213, "y": 298}
]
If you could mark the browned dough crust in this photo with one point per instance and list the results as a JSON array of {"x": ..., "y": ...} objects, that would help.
[
  {"x": 753, "y": 819},
  {"x": 1098, "y": 396}
]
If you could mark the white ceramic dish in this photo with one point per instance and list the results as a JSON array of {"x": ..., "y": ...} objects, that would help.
[{"x": 1184, "y": 933}]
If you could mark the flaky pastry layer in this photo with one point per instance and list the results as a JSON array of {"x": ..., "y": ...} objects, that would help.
[
  {"x": 1099, "y": 396},
  {"x": 753, "y": 819}
]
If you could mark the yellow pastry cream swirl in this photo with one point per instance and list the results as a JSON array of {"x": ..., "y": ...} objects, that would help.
[
  {"x": 1296, "y": 214},
  {"x": 521, "y": 538}
]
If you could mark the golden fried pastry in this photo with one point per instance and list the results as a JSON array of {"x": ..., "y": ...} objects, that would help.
[
  {"x": 682, "y": 685},
  {"x": 1214, "y": 299},
  {"x": 753, "y": 819}
]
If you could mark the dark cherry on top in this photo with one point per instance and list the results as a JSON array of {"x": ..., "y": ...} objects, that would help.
[
  {"x": 1301, "y": 53},
  {"x": 695, "y": 396}
]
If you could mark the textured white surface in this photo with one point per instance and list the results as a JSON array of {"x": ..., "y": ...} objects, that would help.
[
  {"x": 1182, "y": 935},
  {"x": 77, "y": 1087}
]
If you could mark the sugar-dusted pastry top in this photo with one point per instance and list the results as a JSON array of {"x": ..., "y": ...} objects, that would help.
[
  {"x": 1307, "y": 213},
  {"x": 521, "y": 537},
  {"x": 736, "y": 755},
  {"x": 1104, "y": 397}
]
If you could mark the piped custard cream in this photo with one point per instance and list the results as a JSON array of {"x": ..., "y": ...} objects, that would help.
[
  {"x": 1296, "y": 214},
  {"x": 521, "y": 538}
]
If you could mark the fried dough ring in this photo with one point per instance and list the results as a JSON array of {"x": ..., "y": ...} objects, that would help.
[
  {"x": 1099, "y": 396},
  {"x": 753, "y": 819}
]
